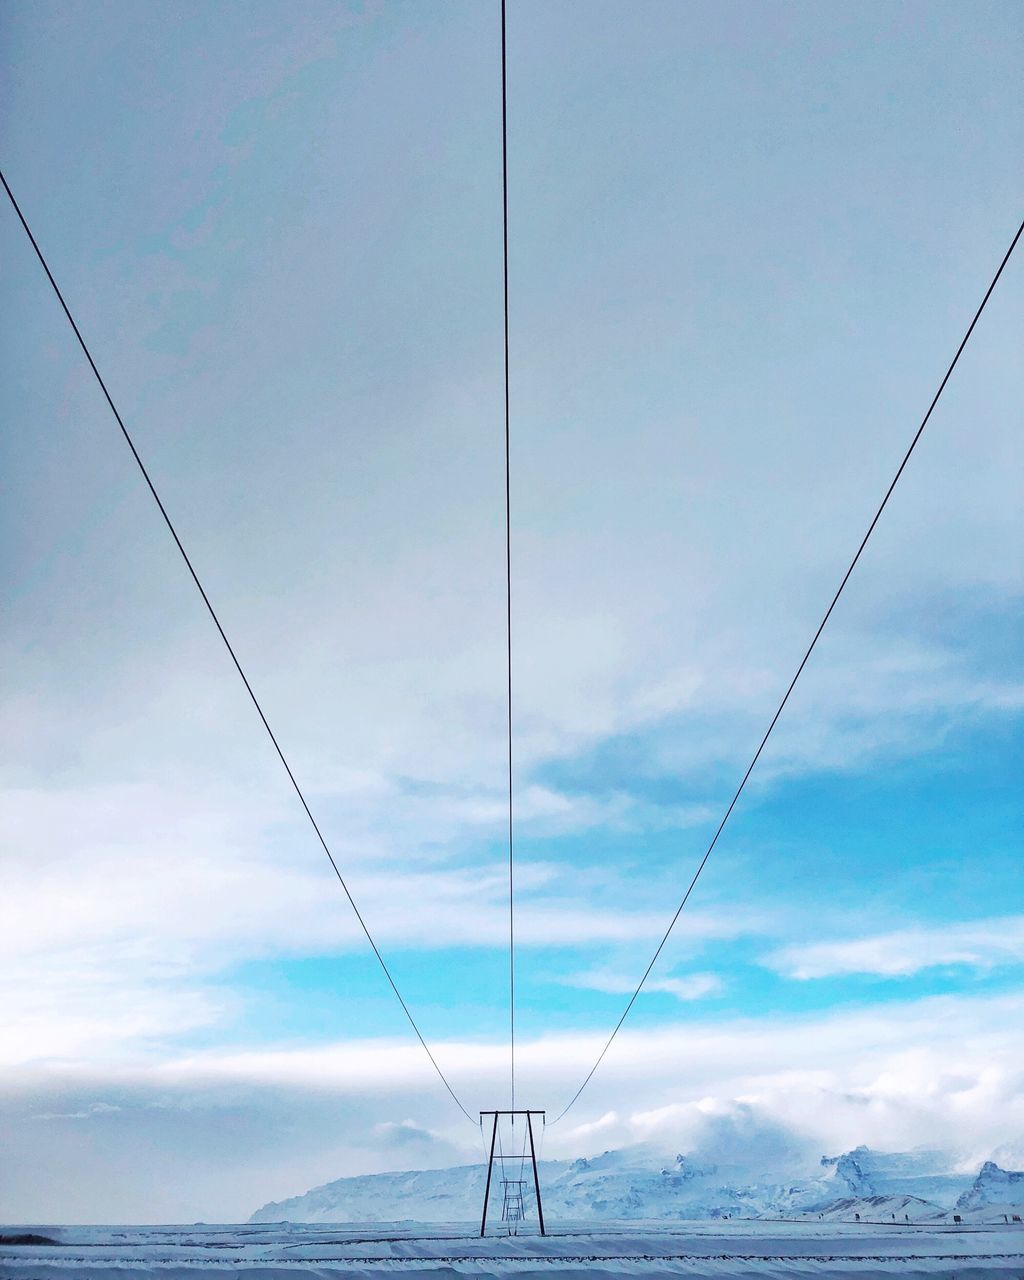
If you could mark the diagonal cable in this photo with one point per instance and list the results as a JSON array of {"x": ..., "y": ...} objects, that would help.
[
  {"x": 227, "y": 644},
  {"x": 799, "y": 671}
]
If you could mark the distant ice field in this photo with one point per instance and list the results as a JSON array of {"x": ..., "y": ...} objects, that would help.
[{"x": 713, "y": 1249}]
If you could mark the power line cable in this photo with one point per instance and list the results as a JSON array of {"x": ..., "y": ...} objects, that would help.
[
  {"x": 508, "y": 581},
  {"x": 799, "y": 671},
  {"x": 227, "y": 644}
]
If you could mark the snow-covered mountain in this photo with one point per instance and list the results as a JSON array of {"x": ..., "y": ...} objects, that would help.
[
  {"x": 633, "y": 1183},
  {"x": 994, "y": 1186},
  {"x": 928, "y": 1175},
  {"x": 639, "y": 1183},
  {"x": 897, "y": 1208}
]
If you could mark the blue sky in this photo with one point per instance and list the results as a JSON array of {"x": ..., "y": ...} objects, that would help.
[{"x": 745, "y": 242}]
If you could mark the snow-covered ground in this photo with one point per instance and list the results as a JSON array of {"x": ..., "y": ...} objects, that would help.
[
  {"x": 288, "y": 1251},
  {"x": 735, "y": 1212}
]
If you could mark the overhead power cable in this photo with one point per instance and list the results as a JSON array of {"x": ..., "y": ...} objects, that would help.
[
  {"x": 508, "y": 584},
  {"x": 227, "y": 644},
  {"x": 796, "y": 677}
]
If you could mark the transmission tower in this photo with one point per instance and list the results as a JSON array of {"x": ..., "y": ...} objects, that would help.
[{"x": 513, "y": 1201}]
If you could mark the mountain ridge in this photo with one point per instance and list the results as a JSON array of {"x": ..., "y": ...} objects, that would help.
[{"x": 636, "y": 1183}]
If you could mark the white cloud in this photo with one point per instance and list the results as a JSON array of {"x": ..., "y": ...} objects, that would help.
[
  {"x": 191, "y": 869},
  {"x": 88, "y": 1113},
  {"x": 978, "y": 944},
  {"x": 95, "y": 1004},
  {"x": 407, "y": 1142},
  {"x": 868, "y": 1066},
  {"x": 585, "y": 1134},
  {"x": 120, "y": 944},
  {"x": 944, "y": 1071},
  {"x": 693, "y": 986}
]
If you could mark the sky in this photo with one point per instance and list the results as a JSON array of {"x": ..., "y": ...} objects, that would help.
[{"x": 745, "y": 241}]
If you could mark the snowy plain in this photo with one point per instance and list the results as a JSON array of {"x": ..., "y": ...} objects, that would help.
[{"x": 734, "y": 1249}]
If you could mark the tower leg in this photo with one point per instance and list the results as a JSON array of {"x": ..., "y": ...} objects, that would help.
[
  {"x": 490, "y": 1166},
  {"x": 536, "y": 1180}
]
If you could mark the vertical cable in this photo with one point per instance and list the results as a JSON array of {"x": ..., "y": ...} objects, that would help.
[{"x": 508, "y": 583}]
